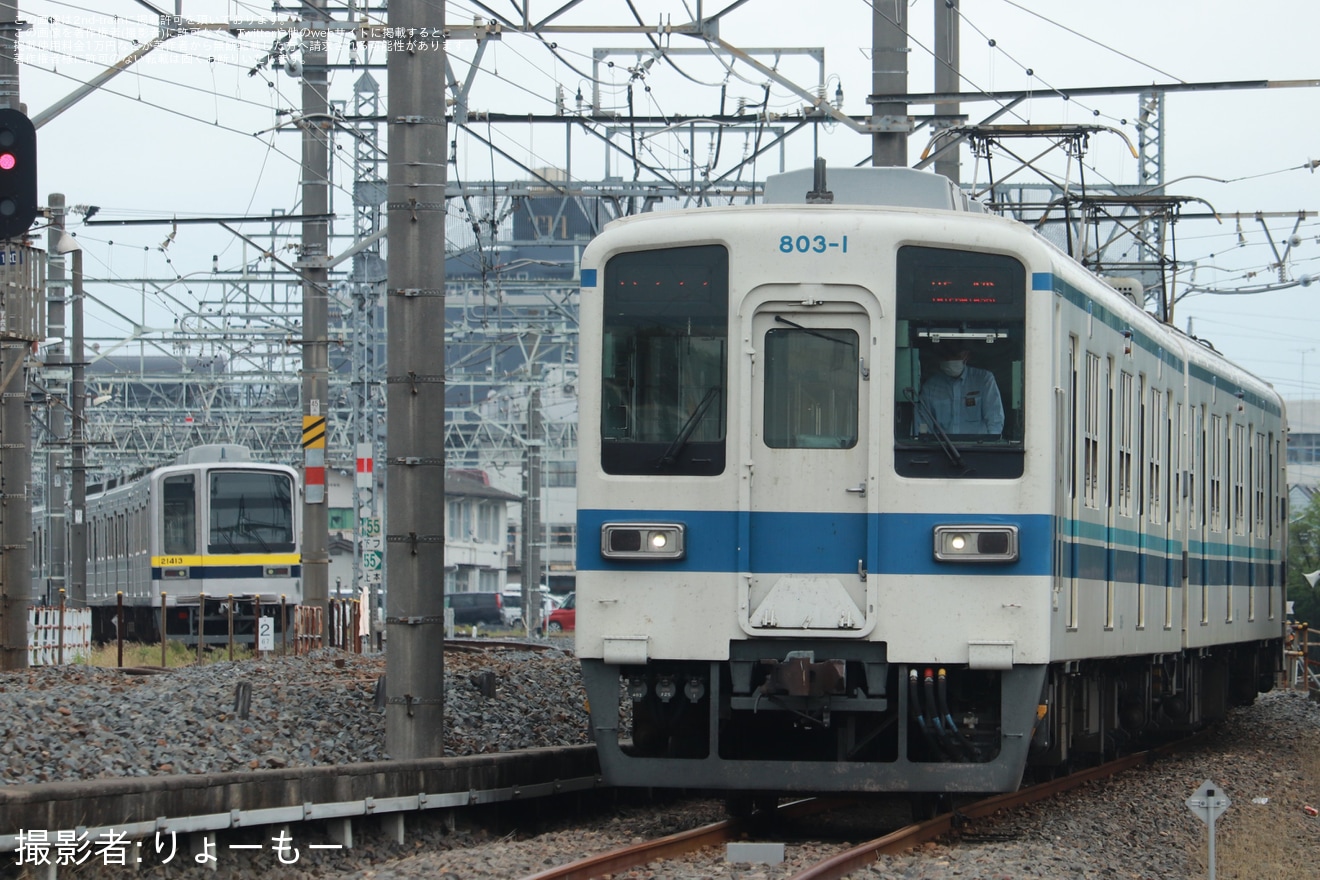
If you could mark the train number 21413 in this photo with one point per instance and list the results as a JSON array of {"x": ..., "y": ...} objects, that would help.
[{"x": 803, "y": 244}]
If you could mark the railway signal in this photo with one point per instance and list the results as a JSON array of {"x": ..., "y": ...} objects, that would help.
[{"x": 18, "y": 173}]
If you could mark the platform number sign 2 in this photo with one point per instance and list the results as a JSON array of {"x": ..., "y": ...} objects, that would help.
[{"x": 265, "y": 634}]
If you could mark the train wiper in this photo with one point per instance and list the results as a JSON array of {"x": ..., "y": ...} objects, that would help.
[
  {"x": 685, "y": 432},
  {"x": 227, "y": 532},
  {"x": 782, "y": 320},
  {"x": 246, "y": 526},
  {"x": 950, "y": 449},
  {"x": 253, "y": 533}
]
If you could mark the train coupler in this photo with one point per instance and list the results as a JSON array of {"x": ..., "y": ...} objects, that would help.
[{"x": 799, "y": 675}]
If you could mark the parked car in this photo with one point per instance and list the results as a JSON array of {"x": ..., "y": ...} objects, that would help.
[
  {"x": 483, "y": 608},
  {"x": 564, "y": 618},
  {"x": 512, "y": 596}
]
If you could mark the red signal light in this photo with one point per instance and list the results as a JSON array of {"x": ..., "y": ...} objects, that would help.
[{"x": 18, "y": 174}]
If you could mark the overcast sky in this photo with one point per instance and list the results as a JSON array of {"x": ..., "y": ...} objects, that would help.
[{"x": 188, "y": 132}]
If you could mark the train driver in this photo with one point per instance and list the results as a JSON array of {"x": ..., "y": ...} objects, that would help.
[{"x": 964, "y": 399}]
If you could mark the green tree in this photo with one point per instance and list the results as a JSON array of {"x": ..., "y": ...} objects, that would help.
[{"x": 1303, "y": 558}]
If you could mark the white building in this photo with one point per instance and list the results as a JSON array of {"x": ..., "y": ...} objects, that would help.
[
  {"x": 1303, "y": 452},
  {"x": 476, "y": 541}
]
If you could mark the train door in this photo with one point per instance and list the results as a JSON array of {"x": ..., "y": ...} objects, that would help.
[
  {"x": 810, "y": 448},
  {"x": 179, "y": 546}
]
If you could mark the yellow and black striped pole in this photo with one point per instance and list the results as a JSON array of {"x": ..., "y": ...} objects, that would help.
[{"x": 313, "y": 442}]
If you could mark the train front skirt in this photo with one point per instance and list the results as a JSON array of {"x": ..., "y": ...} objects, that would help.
[{"x": 806, "y": 726}]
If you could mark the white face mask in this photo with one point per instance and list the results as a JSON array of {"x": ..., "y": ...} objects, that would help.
[{"x": 952, "y": 369}]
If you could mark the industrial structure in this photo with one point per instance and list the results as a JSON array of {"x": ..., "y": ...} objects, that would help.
[{"x": 234, "y": 362}]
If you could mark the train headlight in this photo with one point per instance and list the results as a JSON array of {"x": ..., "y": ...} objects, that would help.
[
  {"x": 976, "y": 543},
  {"x": 642, "y": 541}
]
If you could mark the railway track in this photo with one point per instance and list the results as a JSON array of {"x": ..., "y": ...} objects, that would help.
[
  {"x": 202, "y": 805},
  {"x": 334, "y": 798},
  {"x": 850, "y": 860}
]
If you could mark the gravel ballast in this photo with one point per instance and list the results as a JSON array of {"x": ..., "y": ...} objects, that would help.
[{"x": 79, "y": 723}]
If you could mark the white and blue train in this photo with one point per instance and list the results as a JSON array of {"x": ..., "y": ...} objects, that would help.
[
  {"x": 812, "y": 558},
  {"x": 213, "y": 527}
]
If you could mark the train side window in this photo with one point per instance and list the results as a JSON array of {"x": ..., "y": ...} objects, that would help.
[
  {"x": 959, "y": 364},
  {"x": 1214, "y": 468},
  {"x": 179, "y": 514},
  {"x": 1091, "y": 432},
  {"x": 1240, "y": 471},
  {"x": 1126, "y": 443},
  {"x": 664, "y": 370},
  {"x": 1158, "y": 421}
]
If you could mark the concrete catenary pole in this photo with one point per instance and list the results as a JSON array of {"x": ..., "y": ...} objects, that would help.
[
  {"x": 531, "y": 518},
  {"x": 78, "y": 440},
  {"x": 415, "y": 383},
  {"x": 889, "y": 76},
  {"x": 15, "y": 429},
  {"x": 57, "y": 298},
  {"x": 947, "y": 66},
  {"x": 314, "y": 266}
]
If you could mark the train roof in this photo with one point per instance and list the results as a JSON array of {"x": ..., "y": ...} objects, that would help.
[
  {"x": 214, "y": 452},
  {"x": 873, "y": 187}
]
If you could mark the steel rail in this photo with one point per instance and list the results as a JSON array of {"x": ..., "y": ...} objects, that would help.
[
  {"x": 845, "y": 863},
  {"x": 673, "y": 845}
]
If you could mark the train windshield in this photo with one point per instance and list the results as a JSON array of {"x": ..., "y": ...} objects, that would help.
[
  {"x": 251, "y": 512},
  {"x": 665, "y": 352},
  {"x": 958, "y": 383}
]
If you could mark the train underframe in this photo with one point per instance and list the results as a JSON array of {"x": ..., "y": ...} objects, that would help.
[
  {"x": 826, "y": 717},
  {"x": 142, "y": 622}
]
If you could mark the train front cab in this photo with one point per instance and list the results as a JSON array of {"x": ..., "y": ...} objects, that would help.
[
  {"x": 869, "y": 633},
  {"x": 211, "y": 532},
  {"x": 228, "y": 536}
]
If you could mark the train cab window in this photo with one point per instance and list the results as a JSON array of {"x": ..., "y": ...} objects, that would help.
[
  {"x": 958, "y": 373},
  {"x": 179, "y": 526},
  {"x": 250, "y": 512},
  {"x": 665, "y": 356}
]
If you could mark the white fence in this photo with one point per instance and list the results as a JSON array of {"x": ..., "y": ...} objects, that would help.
[{"x": 44, "y": 635}]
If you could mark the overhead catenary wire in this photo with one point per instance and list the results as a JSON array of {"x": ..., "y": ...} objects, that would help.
[
  {"x": 1089, "y": 39},
  {"x": 649, "y": 150}
]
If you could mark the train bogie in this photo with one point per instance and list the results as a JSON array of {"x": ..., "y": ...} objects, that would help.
[{"x": 902, "y": 499}]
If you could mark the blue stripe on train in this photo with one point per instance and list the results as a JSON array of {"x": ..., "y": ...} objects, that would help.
[
  {"x": 804, "y": 543},
  {"x": 214, "y": 572},
  {"x": 902, "y": 544}
]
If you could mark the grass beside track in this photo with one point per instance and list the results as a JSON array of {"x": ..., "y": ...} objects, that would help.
[
  {"x": 1270, "y": 840},
  {"x": 177, "y": 654}
]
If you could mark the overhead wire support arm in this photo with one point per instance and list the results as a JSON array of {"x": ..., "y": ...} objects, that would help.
[
  {"x": 1090, "y": 91},
  {"x": 694, "y": 28},
  {"x": 819, "y": 102},
  {"x": 170, "y": 27},
  {"x": 106, "y": 75}
]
